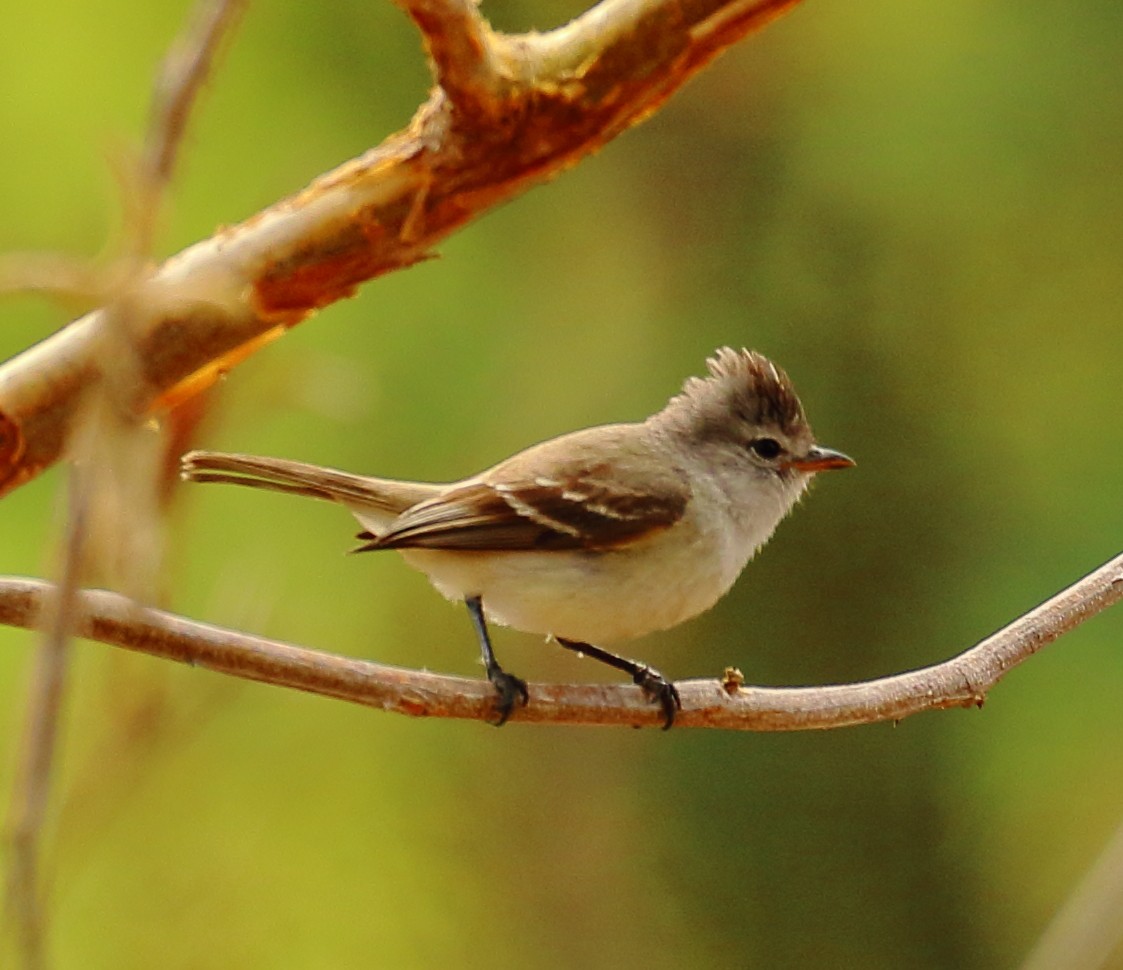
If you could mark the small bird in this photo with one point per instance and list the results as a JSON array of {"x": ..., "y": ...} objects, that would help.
[{"x": 594, "y": 537}]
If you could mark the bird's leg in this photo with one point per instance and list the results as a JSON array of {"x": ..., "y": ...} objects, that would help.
[
  {"x": 654, "y": 684},
  {"x": 511, "y": 689}
]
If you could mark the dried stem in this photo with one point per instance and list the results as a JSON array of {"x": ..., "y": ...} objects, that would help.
[
  {"x": 23, "y": 898},
  {"x": 963, "y": 681},
  {"x": 184, "y": 69},
  {"x": 104, "y": 436}
]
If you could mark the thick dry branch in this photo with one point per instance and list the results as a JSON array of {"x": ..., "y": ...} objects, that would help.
[
  {"x": 512, "y": 111},
  {"x": 962, "y": 681}
]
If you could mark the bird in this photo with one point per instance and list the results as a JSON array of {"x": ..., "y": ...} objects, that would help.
[{"x": 595, "y": 537}]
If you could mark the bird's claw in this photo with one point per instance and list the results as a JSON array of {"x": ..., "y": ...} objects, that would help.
[
  {"x": 511, "y": 690},
  {"x": 660, "y": 691}
]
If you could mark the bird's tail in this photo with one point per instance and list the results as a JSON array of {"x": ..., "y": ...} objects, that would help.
[{"x": 359, "y": 493}]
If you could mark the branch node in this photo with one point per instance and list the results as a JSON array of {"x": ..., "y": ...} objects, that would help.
[{"x": 459, "y": 42}]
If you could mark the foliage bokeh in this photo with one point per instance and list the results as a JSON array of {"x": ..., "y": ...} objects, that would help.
[{"x": 916, "y": 211}]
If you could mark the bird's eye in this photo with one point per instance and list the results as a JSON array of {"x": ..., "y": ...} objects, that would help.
[{"x": 766, "y": 448}]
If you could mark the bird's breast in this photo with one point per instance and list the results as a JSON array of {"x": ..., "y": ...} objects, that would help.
[{"x": 600, "y": 596}]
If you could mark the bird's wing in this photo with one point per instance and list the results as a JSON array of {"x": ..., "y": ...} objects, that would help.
[{"x": 575, "y": 505}]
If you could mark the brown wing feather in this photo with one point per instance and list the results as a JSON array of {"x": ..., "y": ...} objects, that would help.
[{"x": 585, "y": 511}]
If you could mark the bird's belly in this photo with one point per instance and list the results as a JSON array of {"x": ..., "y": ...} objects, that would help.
[{"x": 595, "y": 597}]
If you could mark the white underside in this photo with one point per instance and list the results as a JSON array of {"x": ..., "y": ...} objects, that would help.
[
  {"x": 595, "y": 597},
  {"x": 609, "y": 596}
]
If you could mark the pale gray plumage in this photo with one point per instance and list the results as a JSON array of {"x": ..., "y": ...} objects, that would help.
[{"x": 600, "y": 535}]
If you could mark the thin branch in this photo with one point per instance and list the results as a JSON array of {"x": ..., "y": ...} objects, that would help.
[
  {"x": 24, "y": 904},
  {"x": 518, "y": 110},
  {"x": 61, "y": 278},
  {"x": 963, "y": 681},
  {"x": 27, "y": 811},
  {"x": 104, "y": 439},
  {"x": 184, "y": 69},
  {"x": 461, "y": 49}
]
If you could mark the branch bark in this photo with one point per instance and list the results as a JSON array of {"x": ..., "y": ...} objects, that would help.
[
  {"x": 509, "y": 111},
  {"x": 963, "y": 681}
]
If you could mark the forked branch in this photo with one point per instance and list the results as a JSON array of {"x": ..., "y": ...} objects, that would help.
[
  {"x": 963, "y": 681},
  {"x": 509, "y": 111}
]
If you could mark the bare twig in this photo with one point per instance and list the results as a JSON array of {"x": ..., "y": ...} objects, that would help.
[
  {"x": 23, "y": 899},
  {"x": 461, "y": 48},
  {"x": 184, "y": 69},
  {"x": 113, "y": 465},
  {"x": 62, "y": 278},
  {"x": 962, "y": 681},
  {"x": 516, "y": 111}
]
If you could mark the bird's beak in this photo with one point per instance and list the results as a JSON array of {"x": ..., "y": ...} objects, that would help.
[{"x": 820, "y": 459}]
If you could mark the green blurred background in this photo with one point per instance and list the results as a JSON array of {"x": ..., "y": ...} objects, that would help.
[{"x": 917, "y": 211}]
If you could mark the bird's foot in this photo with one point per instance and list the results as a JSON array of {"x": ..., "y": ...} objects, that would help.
[
  {"x": 511, "y": 691},
  {"x": 660, "y": 691}
]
